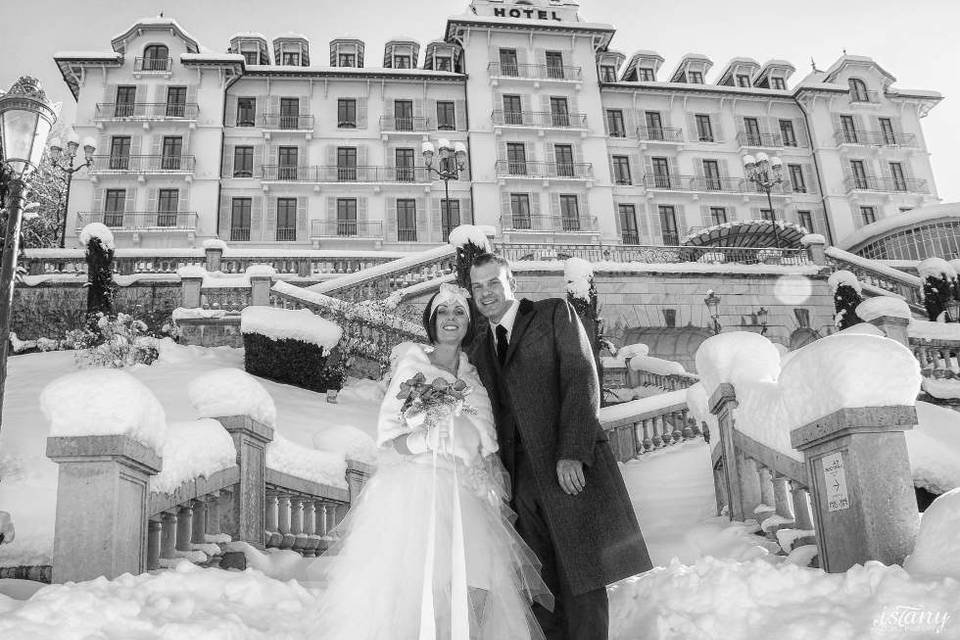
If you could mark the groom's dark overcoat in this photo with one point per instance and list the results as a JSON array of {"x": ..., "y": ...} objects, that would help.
[{"x": 547, "y": 392}]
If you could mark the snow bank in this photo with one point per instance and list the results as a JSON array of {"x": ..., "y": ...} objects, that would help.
[
  {"x": 191, "y": 271},
  {"x": 943, "y": 388},
  {"x": 231, "y": 392},
  {"x": 698, "y": 402},
  {"x": 873, "y": 308},
  {"x": 936, "y": 268},
  {"x": 934, "y": 448},
  {"x": 289, "y": 324},
  {"x": 650, "y": 404},
  {"x": 349, "y": 440},
  {"x": 737, "y": 357},
  {"x": 460, "y": 236},
  {"x": 578, "y": 274},
  {"x": 844, "y": 277},
  {"x": 937, "y": 551},
  {"x": 97, "y": 402},
  {"x": 214, "y": 243},
  {"x": 657, "y": 366},
  {"x": 633, "y": 350},
  {"x": 323, "y": 467},
  {"x": 812, "y": 238},
  {"x": 181, "y": 313},
  {"x": 927, "y": 330},
  {"x": 97, "y": 230},
  {"x": 193, "y": 448},
  {"x": 263, "y": 270}
]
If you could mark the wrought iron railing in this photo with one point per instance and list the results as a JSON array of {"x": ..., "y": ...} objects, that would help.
[
  {"x": 292, "y": 122},
  {"x": 572, "y": 224},
  {"x": 405, "y": 123},
  {"x": 653, "y": 254},
  {"x": 533, "y": 169},
  {"x": 875, "y": 138},
  {"x": 136, "y": 220},
  {"x": 152, "y": 64},
  {"x": 345, "y": 229},
  {"x": 534, "y": 71},
  {"x": 146, "y": 111},
  {"x": 887, "y": 184},
  {"x": 660, "y": 134},
  {"x": 540, "y": 119},
  {"x": 116, "y": 163},
  {"x": 759, "y": 139}
]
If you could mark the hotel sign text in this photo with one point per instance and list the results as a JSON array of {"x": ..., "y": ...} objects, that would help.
[{"x": 538, "y": 14}]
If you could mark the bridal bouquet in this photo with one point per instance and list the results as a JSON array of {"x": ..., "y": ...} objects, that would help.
[{"x": 427, "y": 404}]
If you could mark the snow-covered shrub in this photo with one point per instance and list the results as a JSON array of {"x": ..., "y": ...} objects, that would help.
[
  {"x": 847, "y": 295},
  {"x": 939, "y": 286},
  {"x": 116, "y": 342},
  {"x": 101, "y": 289}
]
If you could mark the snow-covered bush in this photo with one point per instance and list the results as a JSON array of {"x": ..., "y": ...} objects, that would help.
[
  {"x": 101, "y": 289},
  {"x": 847, "y": 295},
  {"x": 939, "y": 286},
  {"x": 115, "y": 342}
]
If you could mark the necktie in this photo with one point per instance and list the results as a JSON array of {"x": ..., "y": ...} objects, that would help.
[{"x": 502, "y": 343}]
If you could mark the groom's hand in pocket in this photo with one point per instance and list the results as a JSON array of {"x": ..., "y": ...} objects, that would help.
[{"x": 570, "y": 476}]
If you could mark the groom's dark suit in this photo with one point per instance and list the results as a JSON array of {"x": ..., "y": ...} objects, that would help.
[{"x": 546, "y": 398}]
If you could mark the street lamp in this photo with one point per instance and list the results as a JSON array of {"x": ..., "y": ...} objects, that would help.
[
  {"x": 713, "y": 306},
  {"x": 25, "y": 121},
  {"x": 953, "y": 311},
  {"x": 765, "y": 172},
  {"x": 445, "y": 169},
  {"x": 64, "y": 162},
  {"x": 762, "y": 314}
]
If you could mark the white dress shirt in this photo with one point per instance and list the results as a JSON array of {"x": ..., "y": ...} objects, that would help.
[{"x": 507, "y": 321}]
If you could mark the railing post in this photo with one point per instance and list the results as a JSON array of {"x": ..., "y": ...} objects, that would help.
[
  {"x": 893, "y": 327},
  {"x": 357, "y": 474},
  {"x": 190, "y": 291},
  {"x": 102, "y": 494},
  {"x": 816, "y": 249},
  {"x": 861, "y": 485},
  {"x": 243, "y": 518},
  {"x": 722, "y": 403},
  {"x": 213, "y": 256},
  {"x": 260, "y": 290}
]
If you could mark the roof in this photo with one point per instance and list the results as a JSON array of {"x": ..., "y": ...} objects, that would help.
[
  {"x": 858, "y": 61},
  {"x": 367, "y": 72},
  {"x": 154, "y": 24},
  {"x": 745, "y": 233},
  {"x": 605, "y": 31},
  {"x": 890, "y": 224},
  {"x": 249, "y": 34}
]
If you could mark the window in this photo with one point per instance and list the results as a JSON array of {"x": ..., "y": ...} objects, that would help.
[
  {"x": 704, "y": 127},
  {"x": 520, "y": 210},
  {"x": 291, "y": 59},
  {"x": 849, "y": 129},
  {"x": 778, "y": 83},
  {"x": 559, "y": 112},
  {"x": 251, "y": 57},
  {"x": 887, "y": 132},
  {"x": 346, "y": 216},
  {"x": 347, "y": 60},
  {"x": 645, "y": 74},
  {"x": 246, "y": 111},
  {"x": 346, "y": 113},
  {"x": 711, "y": 175},
  {"x": 608, "y": 73},
  {"x": 859, "y": 174},
  {"x": 628, "y": 224},
  {"x": 899, "y": 181},
  {"x": 401, "y": 62},
  {"x": 243, "y": 162},
  {"x": 287, "y": 161},
  {"x": 564, "y": 156},
  {"x": 126, "y": 102},
  {"x": 905, "y": 209},
  {"x": 449, "y": 216},
  {"x": 508, "y": 62},
  {"x": 289, "y": 113},
  {"x": 443, "y": 63},
  {"x": 168, "y": 202},
  {"x": 806, "y": 220},
  {"x": 621, "y": 170},
  {"x": 346, "y": 164},
  {"x": 516, "y": 159},
  {"x": 615, "y": 123},
  {"x": 403, "y": 114},
  {"x": 286, "y": 219},
  {"x": 796, "y": 178},
  {"x": 787, "y": 134},
  {"x": 858, "y": 90},
  {"x": 668, "y": 225},
  {"x": 661, "y": 173},
  {"x": 156, "y": 58},
  {"x": 406, "y": 220},
  {"x": 120, "y": 153},
  {"x": 172, "y": 151},
  {"x": 404, "y": 165},
  {"x": 446, "y": 116},
  {"x": 743, "y": 80},
  {"x": 554, "y": 65},
  {"x": 718, "y": 215},
  {"x": 176, "y": 102},
  {"x": 695, "y": 77},
  {"x": 768, "y": 214},
  {"x": 868, "y": 215},
  {"x": 113, "y": 207},
  {"x": 569, "y": 213},
  {"x": 751, "y": 127},
  {"x": 240, "y": 219},
  {"x": 512, "y": 110},
  {"x": 654, "y": 125}
]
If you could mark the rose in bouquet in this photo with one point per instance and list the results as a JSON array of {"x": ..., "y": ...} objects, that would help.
[{"x": 429, "y": 404}]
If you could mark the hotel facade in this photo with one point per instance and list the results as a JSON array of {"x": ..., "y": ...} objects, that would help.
[{"x": 271, "y": 145}]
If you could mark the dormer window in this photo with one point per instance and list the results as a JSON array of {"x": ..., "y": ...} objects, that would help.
[
  {"x": 608, "y": 73},
  {"x": 156, "y": 57},
  {"x": 291, "y": 58},
  {"x": 858, "y": 90},
  {"x": 401, "y": 62},
  {"x": 444, "y": 63},
  {"x": 695, "y": 77},
  {"x": 778, "y": 83},
  {"x": 645, "y": 74},
  {"x": 347, "y": 60},
  {"x": 251, "y": 57},
  {"x": 743, "y": 80}
]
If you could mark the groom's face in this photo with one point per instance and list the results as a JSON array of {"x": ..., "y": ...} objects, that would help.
[{"x": 492, "y": 290}]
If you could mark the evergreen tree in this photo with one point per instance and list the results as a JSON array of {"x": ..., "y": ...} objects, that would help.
[
  {"x": 846, "y": 299},
  {"x": 100, "y": 286},
  {"x": 937, "y": 292}
]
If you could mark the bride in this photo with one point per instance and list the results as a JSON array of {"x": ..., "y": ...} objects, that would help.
[{"x": 428, "y": 551}]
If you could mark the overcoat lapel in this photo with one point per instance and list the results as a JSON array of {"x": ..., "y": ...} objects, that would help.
[{"x": 524, "y": 316}]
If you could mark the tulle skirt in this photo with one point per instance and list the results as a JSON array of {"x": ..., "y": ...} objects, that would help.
[{"x": 375, "y": 572}]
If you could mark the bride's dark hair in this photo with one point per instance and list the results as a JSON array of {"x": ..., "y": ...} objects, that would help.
[{"x": 430, "y": 323}]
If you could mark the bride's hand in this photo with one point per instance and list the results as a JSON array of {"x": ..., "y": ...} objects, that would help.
[{"x": 466, "y": 440}]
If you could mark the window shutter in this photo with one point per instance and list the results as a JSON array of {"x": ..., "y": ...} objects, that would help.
[
  {"x": 466, "y": 211},
  {"x": 256, "y": 217},
  {"x": 535, "y": 208},
  {"x": 616, "y": 219},
  {"x": 331, "y": 156},
  {"x": 423, "y": 219},
  {"x": 192, "y": 94},
  {"x": 648, "y": 170},
  {"x": 130, "y": 202},
  {"x": 302, "y": 218},
  {"x": 363, "y": 214},
  {"x": 257, "y": 160},
  {"x": 110, "y": 93},
  {"x": 141, "y": 96},
  {"x": 432, "y": 111},
  {"x": 460, "y": 112},
  {"x": 103, "y": 145},
  {"x": 362, "y": 156},
  {"x": 153, "y": 204},
  {"x": 705, "y": 218},
  {"x": 98, "y": 201},
  {"x": 418, "y": 109},
  {"x": 502, "y": 152},
  {"x": 716, "y": 124},
  {"x": 800, "y": 132},
  {"x": 155, "y": 150},
  {"x": 525, "y": 108},
  {"x": 692, "y": 134},
  {"x": 540, "y": 56},
  {"x": 613, "y": 172},
  {"x": 392, "y": 220},
  {"x": 331, "y": 209},
  {"x": 183, "y": 200},
  {"x": 857, "y": 218},
  {"x": 274, "y": 105},
  {"x": 361, "y": 113},
  {"x": 810, "y": 178},
  {"x": 228, "y": 151},
  {"x": 583, "y": 204},
  {"x": 574, "y": 103},
  {"x": 682, "y": 224},
  {"x": 521, "y": 57},
  {"x": 271, "y": 157},
  {"x": 643, "y": 225},
  {"x": 630, "y": 123},
  {"x": 270, "y": 220},
  {"x": 505, "y": 211},
  {"x": 225, "y": 203},
  {"x": 675, "y": 171},
  {"x": 555, "y": 206},
  {"x": 230, "y": 117},
  {"x": 697, "y": 167}
]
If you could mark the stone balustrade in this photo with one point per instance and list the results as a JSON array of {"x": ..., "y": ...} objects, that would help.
[
  {"x": 301, "y": 515},
  {"x": 937, "y": 358},
  {"x": 638, "y": 427},
  {"x": 879, "y": 279}
]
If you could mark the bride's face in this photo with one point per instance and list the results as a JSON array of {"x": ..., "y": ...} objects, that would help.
[{"x": 452, "y": 321}]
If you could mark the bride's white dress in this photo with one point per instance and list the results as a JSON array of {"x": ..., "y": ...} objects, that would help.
[{"x": 375, "y": 573}]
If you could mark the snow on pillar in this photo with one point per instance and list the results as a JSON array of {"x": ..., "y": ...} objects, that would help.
[
  {"x": 722, "y": 403},
  {"x": 243, "y": 517},
  {"x": 861, "y": 486},
  {"x": 890, "y": 315}
]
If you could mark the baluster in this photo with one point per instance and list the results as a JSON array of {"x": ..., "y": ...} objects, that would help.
[
  {"x": 766, "y": 486},
  {"x": 296, "y": 525},
  {"x": 283, "y": 521},
  {"x": 749, "y": 481},
  {"x": 212, "y": 519},
  {"x": 677, "y": 417},
  {"x": 781, "y": 496},
  {"x": 657, "y": 428},
  {"x": 647, "y": 440},
  {"x": 184, "y": 527},
  {"x": 638, "y": 435},
  {"x": 801, "y": 506},
  {"x": 168, "y": 538},
  {"x": 720, "y": 488},
  {"x": 272, "y": 535},
  {"x": 310, "y": 527},
  {"x": 154, "y": 527},
  {"x": 199, "y": 521}
]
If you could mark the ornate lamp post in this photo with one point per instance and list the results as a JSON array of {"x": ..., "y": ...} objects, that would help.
[
  {"x": 766, "y": 173},
  {"x": 453, "y": 160},
  {"x": 64, "y": 162},
  {"x": 25, "y": 121},
  {"x": 713, "y": 306},
  {"x": 762, "y": 315}
]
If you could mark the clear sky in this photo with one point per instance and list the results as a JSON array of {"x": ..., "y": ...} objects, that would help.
[{"x": 918, "y": 42}]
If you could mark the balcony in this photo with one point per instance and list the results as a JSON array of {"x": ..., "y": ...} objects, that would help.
[
  {"x": 152, "y": 65},
  {"x": 716, "y": 184},
  {"x": 412, "y": 124},
  {"x": 146, "y": 111},
  {"x": 281, "y": 122},
  {"x": 667, "y": 182},
  {"x": 545, "y": 170},
  {"x": 276, "y": 173},
  {"x": 660, "y": 134},
  {"x": 121, "y": 164},
  {"x": 758, "y": 139},
  {"x": 886, "y": 185},
  {"x": 553, "y": 224},
  {"x": 345, "y": 174},
  {"x": 346, "y": 229},
  {"x": 875, "y": 138},
  {"x": 539, "y": 119},
  {"x": 865, "y": 96},
  {"x": 141, "y": 220},
  {"x": 535, "y": 72}
]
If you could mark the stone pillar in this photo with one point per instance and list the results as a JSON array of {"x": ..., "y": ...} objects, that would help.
[
  {"x": 893, "y": 327},
  {"x": 213, "y": 257},
  {"x": 198, "y": 521},
  {"x": 242, "y": 517},
  {"x": 816, "y": 252},
  {"x": 190, "y": 291},
  {"x": 781, "y": 494},
  {"x": 102, "y": 496},
  {"x": 260, "y": 291},
  {"x": 861, "y": 486},
  {"x": 722, "y": 403},
  {"x": 357, "y": 474},
  {"x": 153, "y": 544}
]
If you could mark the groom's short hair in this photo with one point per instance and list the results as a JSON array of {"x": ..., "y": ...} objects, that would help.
[{"x": 491, "y": 258}]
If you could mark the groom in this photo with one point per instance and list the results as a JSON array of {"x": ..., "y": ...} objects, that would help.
[{"x": 572, "y": 506}]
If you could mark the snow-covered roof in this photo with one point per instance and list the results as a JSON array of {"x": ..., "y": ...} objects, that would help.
[
  {"x": 87, "y": 55},
  {"x": 291, "y": 35},
  {"x": 350, "y": 71},
  {"x": 211, "y": 57},
  {"x": 905, "y": 220},
  {"x": 249, "y": 34},
  {"x": 859, "y": 61},
  {"x": 154, "y": 24}
]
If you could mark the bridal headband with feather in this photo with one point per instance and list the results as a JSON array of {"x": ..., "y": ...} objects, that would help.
[{"x": 450, "y": 293}]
